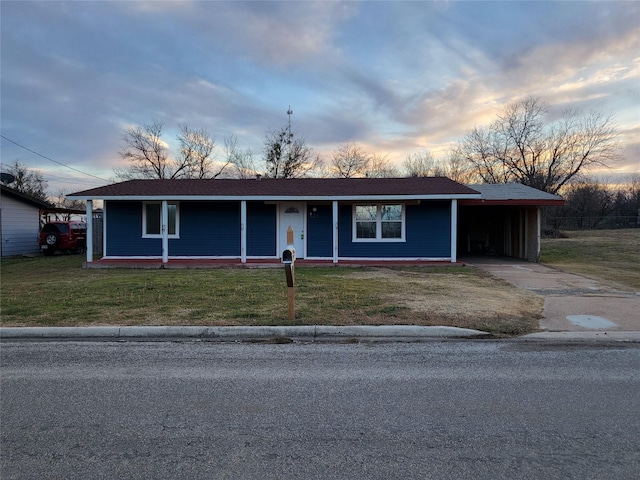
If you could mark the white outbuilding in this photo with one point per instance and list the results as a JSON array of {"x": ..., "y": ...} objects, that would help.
[{"x": 19, "y": 222}]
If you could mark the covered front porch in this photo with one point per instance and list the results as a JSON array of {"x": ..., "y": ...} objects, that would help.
[{"x": 211, "y": 234}]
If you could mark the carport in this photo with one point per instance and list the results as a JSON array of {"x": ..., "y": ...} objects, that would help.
[{"x": 505, "y": 221}]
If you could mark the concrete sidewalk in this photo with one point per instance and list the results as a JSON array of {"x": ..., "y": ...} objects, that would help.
[{"x": 571, "y": 303}]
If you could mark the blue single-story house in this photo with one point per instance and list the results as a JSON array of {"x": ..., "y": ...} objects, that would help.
[{"x": 245, "y": 220}]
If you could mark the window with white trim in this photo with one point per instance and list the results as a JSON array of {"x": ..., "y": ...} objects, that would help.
[
  {"x": 378, "y": 222},
  {"x": 152, "y": 219}
]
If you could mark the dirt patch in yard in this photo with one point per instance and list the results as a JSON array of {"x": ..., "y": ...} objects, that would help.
[{"x": 473, "y": 300}]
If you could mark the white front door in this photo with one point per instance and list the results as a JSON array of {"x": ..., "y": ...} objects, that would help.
[{"x": 292, "y": 213}]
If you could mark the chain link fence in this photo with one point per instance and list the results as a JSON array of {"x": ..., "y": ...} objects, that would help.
[{"x": 552, "y": 225}]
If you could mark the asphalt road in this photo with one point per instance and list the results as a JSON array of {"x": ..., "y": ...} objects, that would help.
[{"x": 443, "y": 410}]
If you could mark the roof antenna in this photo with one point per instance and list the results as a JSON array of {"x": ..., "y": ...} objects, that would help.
[{"x": 289, "y": 112}]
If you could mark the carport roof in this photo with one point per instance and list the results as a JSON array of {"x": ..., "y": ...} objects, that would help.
[{"x": 511, "y": 194}]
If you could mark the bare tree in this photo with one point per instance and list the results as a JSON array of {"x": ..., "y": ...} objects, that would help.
[
  {"x": 285, "y": 155},
  {"x": 149, "y": 156},
  {"x": 29, "y": 182},
  {"x": 588, "y": 203},
  {"x": 146, "y": 153},
  {"x": 522, "y": 146},
  {"x": 627, "y": 203},
  {"x": 241, "y": 161},
  {"x": 288, "y": 156},
  {"x": 453, "y": 166},
  {"x": 380, "y": 167},
  {"x": 196, "y": 158},
  {"x": 349, "y": 161},
  {"x": 61, "y": 200},
  {"x": 423, "y": 164},
  {"x": 457, "y": 169}
]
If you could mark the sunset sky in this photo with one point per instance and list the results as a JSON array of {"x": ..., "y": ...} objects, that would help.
[{"x": 394, "y": 77}]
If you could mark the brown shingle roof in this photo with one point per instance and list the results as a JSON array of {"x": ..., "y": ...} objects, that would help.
[{"x": 281, "y": 188}]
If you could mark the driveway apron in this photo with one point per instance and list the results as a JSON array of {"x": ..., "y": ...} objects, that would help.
[{"x": 571, "y": 302}]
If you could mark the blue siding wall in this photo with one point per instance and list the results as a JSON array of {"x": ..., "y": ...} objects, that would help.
[
  {"x": 208, "y": 229},
  {"x": 261, "y": 230},
  {"x": 319, "y": 230},
  {"x": 428, "y": 234},
  {"x": 124, "y": 231},
  {"x": 213, "y": 229}
]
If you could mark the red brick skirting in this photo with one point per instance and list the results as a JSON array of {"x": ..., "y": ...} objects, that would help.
[{"x": 254, "y": 263}]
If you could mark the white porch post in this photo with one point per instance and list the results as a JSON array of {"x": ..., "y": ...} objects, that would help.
[
  {"x": 526, "y": 234},
  {"x": 538, "y": 233},
  {"x": 534, "y": 226},
  {"x": 454, "y": 230},
  {"x": 165, "y": 231},
  {"x": 89, "y": 240},
  {"x": 335, "y": 231},
  {"x": 243, "y": 231}
]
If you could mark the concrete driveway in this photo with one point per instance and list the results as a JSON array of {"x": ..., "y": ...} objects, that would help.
[{"x": 571, "y": 303}]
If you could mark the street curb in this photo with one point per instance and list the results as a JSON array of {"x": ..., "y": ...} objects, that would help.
[
  {"x": 304, "y": 332},
  {"x": 590, "y": 336}
]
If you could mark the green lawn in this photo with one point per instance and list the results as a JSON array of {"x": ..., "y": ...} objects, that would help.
[
  {"x": 57, "y": 291},
  {"x": 612, "y": 256}
]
